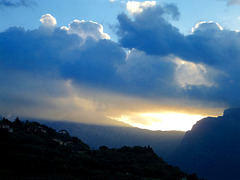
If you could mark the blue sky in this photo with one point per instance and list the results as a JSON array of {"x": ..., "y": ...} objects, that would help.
[
  {"x": 151, "y": 64},
  {"x": 105, "y": 13}
]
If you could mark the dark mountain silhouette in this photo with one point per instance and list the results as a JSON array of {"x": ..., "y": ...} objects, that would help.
[
  {"x": 211, "y": 148},
  {"x": 30, "y": 150},
  {"x": 163, "y": 142}
]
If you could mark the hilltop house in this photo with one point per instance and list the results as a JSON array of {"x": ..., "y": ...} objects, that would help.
[
  {"x": 7, "y": 127},
  {"x": 63, "y": 131},
  {"x": 39, "y": 129}
]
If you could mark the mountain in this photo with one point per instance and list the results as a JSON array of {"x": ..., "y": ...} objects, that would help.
[
  {"x": 30, "y": 150},
  {"x": 163, "y": 142},
  {"x": 211, "y": 148}
]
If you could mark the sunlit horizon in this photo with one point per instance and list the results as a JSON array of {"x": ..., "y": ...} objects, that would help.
[{"x": 165, "y": 121}]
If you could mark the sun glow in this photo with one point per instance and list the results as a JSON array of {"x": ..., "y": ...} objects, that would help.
[{"x": 161, "y": 121}]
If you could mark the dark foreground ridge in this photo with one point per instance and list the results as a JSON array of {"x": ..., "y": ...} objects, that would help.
[{"x": 30, "y": 150}]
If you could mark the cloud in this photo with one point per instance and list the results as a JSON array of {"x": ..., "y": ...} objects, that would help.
[
  {"x": 150, "y": 32},
  {"x": 48, "y": 20},
  {"x": 87, "y": 29},
  {"x": 211, "y": 53},
  {"x": 189, "y": 74},
  {"x": 77, "y": 71},
  {"x": 135, "y": 7},
  {"x": 43, "y": 71},
  {"x": 217, "y": 49},
  {"x": 36, "y": 51},
  {"x": 213, "y": 45},
  {"x": 96, "y": 64},
  {"x": 49, "y": 23},
  {"x": 147, "y": 75},
  {"x": 18, "y": 3},
  {"x": 233, "y": 2},
  {"x": 61, "y": 53},
  {"x": 206, "y": 26}
]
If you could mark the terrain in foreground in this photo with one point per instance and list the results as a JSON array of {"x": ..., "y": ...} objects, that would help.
[{"x": 30, "y": 150}]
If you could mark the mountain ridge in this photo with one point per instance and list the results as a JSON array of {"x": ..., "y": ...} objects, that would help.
[
  {"x": 211, "y": 148},
  {"x": 163, "y": 142}
]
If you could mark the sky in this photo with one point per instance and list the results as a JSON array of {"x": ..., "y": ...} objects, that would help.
[{"x": 158, "y": 65}]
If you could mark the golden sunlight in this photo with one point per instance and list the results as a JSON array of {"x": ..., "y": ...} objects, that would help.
[{"x": 166, "y": 121}]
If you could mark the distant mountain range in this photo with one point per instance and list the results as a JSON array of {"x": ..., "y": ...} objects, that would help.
[
  {"x": 212, "y": 147},
  {"x": 163, "y": 142}
]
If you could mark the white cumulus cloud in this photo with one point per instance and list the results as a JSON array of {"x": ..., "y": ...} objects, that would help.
[
  {"x": 48, "y": 20},
  {"x": 86, "y": 29},
  {"x": 135, "y": 7},
  {"x": 190, "y": 74},
  {"x": 207, "y": 26}
]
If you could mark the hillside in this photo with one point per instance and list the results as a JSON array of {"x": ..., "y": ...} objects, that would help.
[
  {"x": 211, "y": 148},
  {"x": 163, "y": 142},
  {"x": 30, "y": 150}
]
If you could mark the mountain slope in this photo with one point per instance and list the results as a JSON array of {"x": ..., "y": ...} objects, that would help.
[
  {"x": 35, "y": 151},
  {"x": 163, "y": 142},
  {"x": 211, "y": 148}
]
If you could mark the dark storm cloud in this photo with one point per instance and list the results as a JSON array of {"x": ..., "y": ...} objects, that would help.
[
  {"x": 151, "y": 76},
  {"x": 50, "y": 53},
  {"x": 40, "y": 68},
  {"x": 35, "y": 51},
  {"x": 30, "y": 62},
  {"x": 150, "y": 32},
  {"x": 209, "y": 45},
  {"x": 18, "y": 3},
  {"x": 38, "y": 52},
  {"x": 55, "y": 54},
  {"x": 96, "y": 65},
  {"x": 219, "y": 49}
]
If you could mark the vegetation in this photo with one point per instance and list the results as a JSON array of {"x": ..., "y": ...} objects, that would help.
[{"x": 30, "y": 150}]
